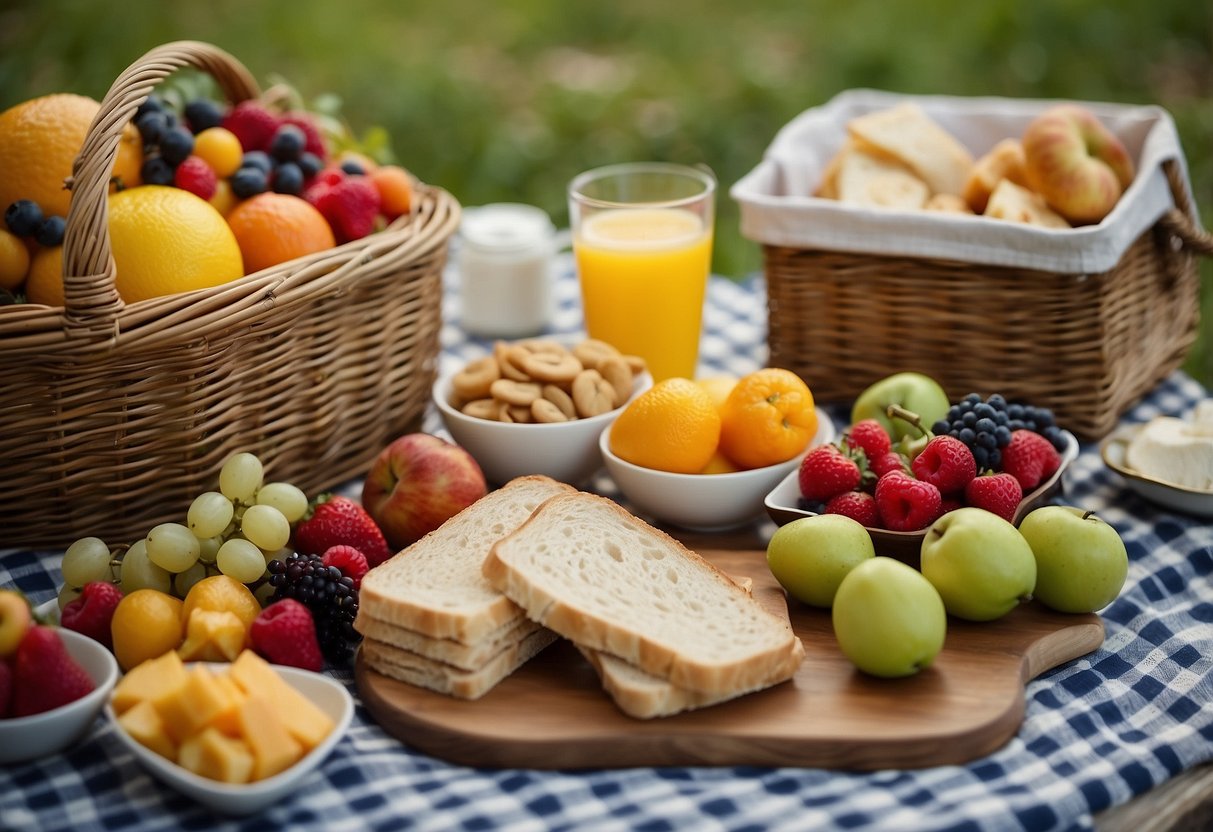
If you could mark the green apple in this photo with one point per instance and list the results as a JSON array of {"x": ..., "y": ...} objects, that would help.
[
  {"x": 810, "y": 556},
  {"x": 915, "y": 392},
  {"x": 980, "y": 563},
  {"x": 888, "y": 619},
  {"x": 1081, "y": 562}
]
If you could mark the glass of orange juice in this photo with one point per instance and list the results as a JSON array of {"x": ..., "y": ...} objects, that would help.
[{"x": 642, "y": 239}]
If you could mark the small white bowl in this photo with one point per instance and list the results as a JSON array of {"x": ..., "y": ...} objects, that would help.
[
  {"x": 565, "y": 451},
  {"x": 703, "y": 502},
  {"x": 29, "y": 737},
  {"x": 1193, "y": 501},
  {"x": 244, "y": 799}
]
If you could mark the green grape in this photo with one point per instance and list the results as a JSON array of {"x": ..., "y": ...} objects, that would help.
[
  {"x": 184, "y": 581},
  {"x": 209, "y": 514},
  {"x": 70, "y": 593},
  {"x": 263, "y": 593},
  {"x": 172, "y": 546},
  {"x": 242, "y": 560},
  {"x": 288, "y": 499},
  {"x": 85, "y": 561},
  {"x": 265, "y": 527},
  {"x": 208, "y": 549},
  {"x": 138, "y": 572},
  {"x": 240, "y": 477}
]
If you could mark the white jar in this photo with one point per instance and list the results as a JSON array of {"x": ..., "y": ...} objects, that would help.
[{"x": 505, "y": 262}]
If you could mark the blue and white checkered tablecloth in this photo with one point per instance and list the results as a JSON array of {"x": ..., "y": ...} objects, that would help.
[{"x": 1098, "y": 730}]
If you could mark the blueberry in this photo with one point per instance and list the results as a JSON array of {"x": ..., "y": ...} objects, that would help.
[
  {"x": 287, "y": 143},
  {"x": 151, "y": 126},
  {"x": 352, "y": 168},
  {"x": 940, "y": 427},
  {"x": 152, "y": 104},
  {"x": 985, "y": 440},
  {"x": 967, "y": 436},
  {"x": 203, "y": 114},
  {"x": 1015, "y": 411},
  {"x": 248, "y": 182},
  {"x": 176, "y": 144},
  {"x": 972, "y": 398},
  {"x": 156, "y": 171},
  {"x": 984, "y": 425},
  {"x": 1003, "y": 434},
  {"x": 258, "y": 159},
  {"x": 288, "y": 179},
  {"x": 969, "y": 419},
  {"x": 995, "y": 458},
  {"x": 23, "y": 217},
  {"x": 310, "y": 164},
  {"x": 997, "y": 401},
  {"x": 50, "y": 232},
  {"x": 982, "y": 457},
  {"x": 984, "y": 411}
]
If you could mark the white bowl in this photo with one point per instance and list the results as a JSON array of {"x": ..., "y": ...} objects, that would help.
[
  {"x": 1115, "y": 449},
  {"x": 703, "y": 502},
  {"x": 327, "y": 694},
  {"x": 28, "y": 737},
  {"x": 565, "y": 451}
]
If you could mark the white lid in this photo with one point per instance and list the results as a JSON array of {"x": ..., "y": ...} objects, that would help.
[{"x": 505, "y": 226}]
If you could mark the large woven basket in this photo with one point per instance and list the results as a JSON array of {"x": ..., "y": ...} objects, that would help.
[{"x": 114, "y": 416}]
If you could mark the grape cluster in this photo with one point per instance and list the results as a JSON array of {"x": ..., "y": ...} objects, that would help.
[
  {"x": 329, "y": 594},
  {"x": 986, "y": 425}
]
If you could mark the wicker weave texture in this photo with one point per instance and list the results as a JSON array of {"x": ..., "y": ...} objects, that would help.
[{"x": 113, "y": 417}]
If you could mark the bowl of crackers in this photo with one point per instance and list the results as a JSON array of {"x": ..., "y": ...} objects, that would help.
[{"x": 537, "y": 406}]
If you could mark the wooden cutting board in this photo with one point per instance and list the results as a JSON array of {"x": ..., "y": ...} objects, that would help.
[{"x": 553, "y": 714}]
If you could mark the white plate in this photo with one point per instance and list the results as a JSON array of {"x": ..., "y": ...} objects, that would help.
[
  {"x": 328, "y": 695},
  {"x": 1185, "y": 500}
]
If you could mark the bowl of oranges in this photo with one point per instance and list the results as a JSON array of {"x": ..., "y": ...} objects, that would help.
[{"x": 702, "y": 455}]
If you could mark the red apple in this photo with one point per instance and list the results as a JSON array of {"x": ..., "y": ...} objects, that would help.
[
  {"x": 417, "y": 483},
  {"x": 1076, "y": 163},
  {"x": 15, "y": 619}
]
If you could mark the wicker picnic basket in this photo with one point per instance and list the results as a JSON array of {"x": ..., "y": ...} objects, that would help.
[
  {"x": 114, "y": 416},
  {"x": 1086, "y": 344}
]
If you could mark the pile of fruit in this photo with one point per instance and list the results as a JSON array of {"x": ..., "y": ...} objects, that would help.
[
  {"x": 199, "y": 196},
  {"x": 36, "y": 672}
]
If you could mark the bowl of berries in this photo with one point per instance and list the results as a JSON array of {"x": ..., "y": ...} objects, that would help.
[{"x": 1007, "y": 458}]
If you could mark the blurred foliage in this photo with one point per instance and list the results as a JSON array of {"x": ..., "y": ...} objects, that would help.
[{"x": 507, "y": 101}]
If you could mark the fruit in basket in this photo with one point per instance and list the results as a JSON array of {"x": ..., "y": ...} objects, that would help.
[
  {"x": 915, "y": 392},
  {"x": 350, "y": 203},
  {"x": 15, "y": 620},
  {"x": 14, "y": 260},
  {"x": 673, "y": 426},
  {"x": 272, "y": 228},
  {"x": 92, "y": 613},
  {"x": 769, "y": 417},
  {"x": 45, "y": 676},
  {"x": 220, "y": 150},
  {"x": 252, "y": 123},
  {"x": 1081, "y": 561},
  {"x": 811, "y": 555},
  {"x": 146, "y": 624},
  {"x": 395, "y": 188},
  {"x": 980, "y": 564},
  {"x": 416, "y": 484},
  {"x": 197, "y": 177},
  {"x": 888, "y": 619},
  {"x": 1076, "y": 163}
]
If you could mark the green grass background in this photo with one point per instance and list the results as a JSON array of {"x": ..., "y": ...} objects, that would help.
[{"x": 507, "y": 101}]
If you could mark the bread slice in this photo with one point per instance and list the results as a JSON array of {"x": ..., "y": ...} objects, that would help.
[
  {"x": 907, "y": 133},
  {"x": 435, "y": 586},
  {"x": 445, "y": 650},
  {"x": 608, "y": 581},
  {"x": 447, "y": 679}
]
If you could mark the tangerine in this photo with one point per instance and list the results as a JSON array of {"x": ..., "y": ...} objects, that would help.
[
  {"x": 44, "y": 283},
  {"x": 147, "y": 623},
  {"x": 273, "y": 228},
  {"x": 14, "y": 260},
  {"x": 395, "y": 188},
  {"x": 220, "y": 593},
  {"x": 768, "y": 418},
  {"x": 672, "y": 426},
  {"x": 718, "y": 387}
]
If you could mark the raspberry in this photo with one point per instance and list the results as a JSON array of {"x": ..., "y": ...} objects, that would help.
[
  {"x": 44, "y": 675},
  {"x": 869, "y": 435},
  {"x": 284, "y": 633},
  {"x": 906, "y": 504},
  {"x": 947, "y": 463},
  {"x": 996, "y": 493},
  {"x": 826, "y": 472},
  {"x": 885, "y": 463},
  {"x": 253, "y": 125},
  {"x": 349, "y": 560},
  {"x": 858, "y": 505},
  {"x": 1030, "y": 458},
  {"x": 197, "y": 177},
  {"x": 90, "y": 614},
  {"x": 350, "y": 205}
]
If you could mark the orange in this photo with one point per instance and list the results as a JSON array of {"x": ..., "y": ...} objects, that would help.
[
  {"x": 44, "y": 284},
  {"x": 395, "y": 188},
  {"x": 147, "y": 623},
  {"x": 719, "y": 464},
  {"x": 39, "y": 140},
  {"x": 768, "y": 418},
  {"x": 718, "y": 387},
  {"x": 274, "y": 228},
  {"x": 219, "y": 593},
  {"x": 672, "y": 426},
  {"x": 14, "y": 260},
  {"x": 166, "y": 240}
]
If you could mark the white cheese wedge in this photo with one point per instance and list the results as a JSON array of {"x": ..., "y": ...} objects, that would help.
[{"x": 1177, "y": 451}]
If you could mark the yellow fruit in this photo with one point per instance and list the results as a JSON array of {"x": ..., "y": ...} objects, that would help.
[
  {"x": 274, "y": 228},
  {"x": 719, "y": 464},
  {"x": 768, "y": 418},
  {"x": 672, "y": 426},
  {"x": 166, "y": 240},
  {"x": 147, "y": 623},
  {"x": 718, "y": 387},
  {"x": 219, "y": 593},
  {"x": 14, "y": 260},
  {"x": 39, "y": 140},
  {"x": 223, "y": 199},
  {"x": 44, "y": 283},
  {"x": 219, "y": 148}
]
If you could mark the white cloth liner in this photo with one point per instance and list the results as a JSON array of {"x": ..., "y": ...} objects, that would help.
[{"x": 777, "y": 206}]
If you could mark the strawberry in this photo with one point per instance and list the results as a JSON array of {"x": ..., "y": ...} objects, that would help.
[
  {"x": 997, "y": 493},
  {"x": 335, "y": 521},
  {"x": 44, "y": 675},
  {"x": 285, "y": 633},
  {"x": 350, "y": 205},
  {"x": 349, "y": 560},
  {"x": 1030, "y": 458},
  {"x": 197, "y": 177},
  {"x": 946, "y": 463},
  {"x": 891, "y": 461},
  {"x": 869, "y": 435},
  {"x": 858, "y": 505},
  {"x": 313, "y": 140},
  {"x": 90, "y": 614},
  {"x": 6, "y": 688},
  {"x": 253, "y": 124},
  {"x": 906, "y": 504},
  {"x": 826, "y": 472}
]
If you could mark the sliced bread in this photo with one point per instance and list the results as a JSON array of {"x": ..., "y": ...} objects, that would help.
[
  {"x": 448, "y": 651},
  {"x": 435, "y": 587},
  {"x": 608, "y": 581}
]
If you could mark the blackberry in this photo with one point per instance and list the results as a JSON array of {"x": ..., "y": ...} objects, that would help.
[
  {"x": 176, "y": 144},
  {"x": 23, "y": 217},
  {"x": 288, "y": 179},
  {"x": 327, "y": 593},
  {"x": 202, "y": 114},
  {"x": 249, "y": 181},
  {"x": 50, "y": 232}
]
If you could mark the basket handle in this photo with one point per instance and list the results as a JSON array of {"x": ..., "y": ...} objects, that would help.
[
  {"x": 1179, "y": 221},
  {"x": 91, "y": 301}
]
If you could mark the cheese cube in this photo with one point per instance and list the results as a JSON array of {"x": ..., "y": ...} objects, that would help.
[
  {"x": 152, "y": 681},
  {"x": 211, "y": 754},
  {"x": 305, "y": 722},
  {"x": 228, "y": 720},
  {"x": 142, "y": 721},
  {"x": 200, "y": 700},
  {"x": 274, "y": 749}
]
